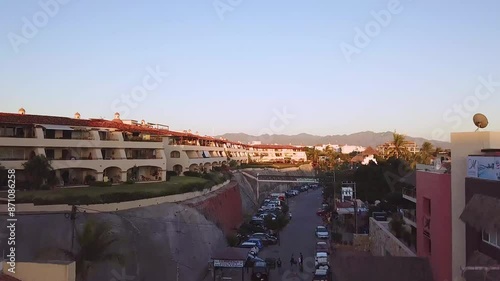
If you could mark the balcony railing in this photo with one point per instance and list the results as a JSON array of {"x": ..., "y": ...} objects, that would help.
[
  {"x": 152, "y": 139},
  {"x": 410, "y": 214},
  {"x": 410, "y": 192},
  {"x": 17, "y": 136}
]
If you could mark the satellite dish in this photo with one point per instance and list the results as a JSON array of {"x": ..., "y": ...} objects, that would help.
[{"x": 480, "y": 121}]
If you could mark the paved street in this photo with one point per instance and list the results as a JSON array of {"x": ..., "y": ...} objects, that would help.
[{"x": 297, "y": 237}]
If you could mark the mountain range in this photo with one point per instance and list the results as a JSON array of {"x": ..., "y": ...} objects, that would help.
[{"x": 366, "y": 138}]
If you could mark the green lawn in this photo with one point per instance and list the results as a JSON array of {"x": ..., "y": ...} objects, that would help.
[{"x": 111, "y": 194}]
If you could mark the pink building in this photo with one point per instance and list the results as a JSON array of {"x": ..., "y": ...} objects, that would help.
[{"x": 433, "y": 201}]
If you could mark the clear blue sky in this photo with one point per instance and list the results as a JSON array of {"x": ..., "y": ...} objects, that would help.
[{"x": 228, "y": 74}]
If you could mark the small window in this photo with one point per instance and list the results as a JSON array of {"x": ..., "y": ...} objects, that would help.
[
  {"x": 427, "y": 206},
  {"x": 175, "y": 154}
]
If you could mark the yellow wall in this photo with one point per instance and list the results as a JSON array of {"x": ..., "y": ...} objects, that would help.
[{"x": 30, "y": 271}]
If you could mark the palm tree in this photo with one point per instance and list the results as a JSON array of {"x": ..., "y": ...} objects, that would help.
[
  {"x": 38, "y": 170},
  {"x": 426, "y": 152},
  {"x": 95, "y": 242},
  {"x": 436, "y": 151},
  {"x": 398, "y": 147}
]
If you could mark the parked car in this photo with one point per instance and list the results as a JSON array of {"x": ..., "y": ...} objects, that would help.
[
  {"x": 265, "y": 238},
  {"x": 251, "y": 246},
  {"x": 257, "y": 242},
  {"x": 322, "y": 246},
  {"x": 260, "y": 271},
  {"x": 322, "y": 273},
  {"x": 322, "y": 232},
  {"x": 321, "y": 258}
]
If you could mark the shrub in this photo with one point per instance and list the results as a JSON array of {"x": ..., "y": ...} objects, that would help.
[
  {"x": 192, "y": 174},
  {"x": 89, "y": 179},
  {"x": 232, "y": 240},
  {"x": 172, "y": 173},
  {"x": 129, "y": 182},
  {"x": 102, "y": 183},
  {"x": 337, "y": 237}
]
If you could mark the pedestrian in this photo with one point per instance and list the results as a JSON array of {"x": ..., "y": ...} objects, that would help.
[
  {"x": 290, "y": 215},
  {"x": 292, "y": 261},
  {"x": 278, "y": 262}
]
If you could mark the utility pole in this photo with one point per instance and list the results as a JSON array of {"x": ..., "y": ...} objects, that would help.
[
  {"x": 355, "y": 210},
  {"x": 73, "y": 220}
]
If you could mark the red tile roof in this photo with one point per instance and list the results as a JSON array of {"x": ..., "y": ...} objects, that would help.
[{"x": 28, "y": 119}]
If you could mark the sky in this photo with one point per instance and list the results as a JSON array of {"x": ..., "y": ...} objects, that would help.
[{"x": 422, "y": 68}]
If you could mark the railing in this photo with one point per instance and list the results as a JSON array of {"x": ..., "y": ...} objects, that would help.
[
  {"x": 109, "y": 139},
  {"x": 72, "y": 138},
  {"x": 14, "y": 159},
  {"x": 145, "y": 157},
  {"x": 410, "y": 192},
  {"x": 410, "y": 214},
  {"x": 17, "y": 136},
  {"x": 152, "y": 139}
]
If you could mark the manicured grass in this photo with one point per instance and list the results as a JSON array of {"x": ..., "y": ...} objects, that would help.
[{"x": 112, "y": 194}]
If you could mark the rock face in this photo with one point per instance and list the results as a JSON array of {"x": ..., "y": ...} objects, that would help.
[{"x": 156, "y": 240}]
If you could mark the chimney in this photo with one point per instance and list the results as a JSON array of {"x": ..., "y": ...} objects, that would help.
[
  {"x": 117, "y": 115},
  {"x": 21, "y": 111},
  {"x": 77, "y": 115}
]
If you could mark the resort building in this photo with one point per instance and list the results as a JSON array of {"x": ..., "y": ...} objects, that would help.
[
  {"x": 277, "y": 153},
  {"x": 84, "y": 150},
  {"x": 411, "y": 146}
]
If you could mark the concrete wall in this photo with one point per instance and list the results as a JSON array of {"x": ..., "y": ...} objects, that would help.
[
  {"x": 462, "y": 145},
  {"x": 437, "y": 188},
  {"x": 31, "y": 271},
  {"x": 383, "y": 242},
  {"x": 153, "y": 238}
]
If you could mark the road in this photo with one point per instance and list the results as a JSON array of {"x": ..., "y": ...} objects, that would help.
[{"x": 297, "y": 237}]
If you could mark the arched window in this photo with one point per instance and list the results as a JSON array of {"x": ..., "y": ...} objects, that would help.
[{"x": 175, "y": 154}]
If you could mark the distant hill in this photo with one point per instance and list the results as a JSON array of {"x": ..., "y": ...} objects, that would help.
[{"x": 367, "y": 138}]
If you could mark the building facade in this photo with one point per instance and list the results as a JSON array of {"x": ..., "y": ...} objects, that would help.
[
  {"x": 84, "y": 150},
  {"x": 463, "y": 145},
  {"x": 433, "y": 220}
]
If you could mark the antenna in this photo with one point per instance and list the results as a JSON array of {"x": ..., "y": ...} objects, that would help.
[{"x": 480, "y": 121}]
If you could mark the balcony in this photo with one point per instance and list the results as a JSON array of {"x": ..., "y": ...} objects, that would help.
[
  {"x": 410, "y": 216},
  {"x": 410, "y": 193},
  {"x": 143, "y": 138}
]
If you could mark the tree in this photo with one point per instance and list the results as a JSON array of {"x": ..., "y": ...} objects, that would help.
[
  {"x": 95, "y": 244},
  {"x": 233, "y": 163},
  {"x": 426, "y": 153},
  {"x": 39, "y": 171},
  {"x": 398, "y": 147},
  {"x": 397, "y": 224}
]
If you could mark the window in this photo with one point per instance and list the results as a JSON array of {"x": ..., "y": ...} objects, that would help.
[
  {"x": 427, "y": 206},
  {"x": 428, "y": 245},
  {"x": 492, "y": 238},
  {"x": 175, "y": 154}
]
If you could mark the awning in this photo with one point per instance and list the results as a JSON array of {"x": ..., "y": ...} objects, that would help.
[
  {"x": 57, "y": 127},
  {"x": 482, "y": 212}
]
